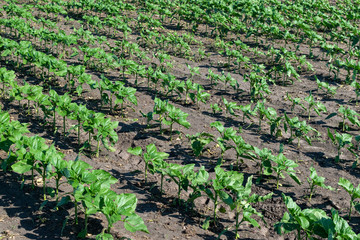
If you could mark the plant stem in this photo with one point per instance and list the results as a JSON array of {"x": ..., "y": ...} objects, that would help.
[
  {"x": 179, "y": 192},
  {"x": 79, "y": 126},
  {"x": 350, "y": 210},
  {"x": 76, "y": 211},
  {"x": 86, "y": 222},
  {"x": 171, "y": 127},
  {"x": 299, "y": 234},
  {"x": 146, "y": 167},
  {"x": 121, "y": 109},
  {"x": 338, "y": 157},
  {"x": 215, "y": 206},
  {"x": 54, "y": 119},
  {"x": 111, "y": 109},
  {"x": 44, "y": 182},
  {"x": 161, "y": 184},
  {"x": 237, "y": 224},
  {"x": 57, "y": 189},
  {"x": 32, "y": 178},
  {"x": 64, "y": 127},
  {"x": 98, "y": 148},
  {"x": 90, "y": 141},
  {"x": 311, "y": 191},
  {"x": 109, "y": 224}
]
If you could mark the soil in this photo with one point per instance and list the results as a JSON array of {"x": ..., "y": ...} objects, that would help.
[{"x": 22, "y": 215}]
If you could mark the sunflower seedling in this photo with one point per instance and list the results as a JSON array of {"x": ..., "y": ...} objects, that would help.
[
  {"x": 308, "y": 221},
  {"x": 314, "y": 180},
  {"x": 242, "y": 202},
  {"x": 340, "y": 141},
  {"x": 284, "y": 165},
  {"x": 199, "y": 141},
  {"x": 353, "y": 192},
  {"x": 150, "y": 155}
]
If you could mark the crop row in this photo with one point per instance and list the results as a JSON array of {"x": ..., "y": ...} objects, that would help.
[
  {"x": 283, "y": 62},
  {"x": 231, "y": 189},
  {"x": 91, "y": 188}
]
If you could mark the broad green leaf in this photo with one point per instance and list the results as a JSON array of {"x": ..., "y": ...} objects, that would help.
[
  {"x": 331, "y": 115},
  {"x": 136, "y": 151},
  {"x": 63, "y": 201},
  {"x": 346, "y": 184},
  {"x": 135, "y": 223},
  {"x": 21, "y": 167}
]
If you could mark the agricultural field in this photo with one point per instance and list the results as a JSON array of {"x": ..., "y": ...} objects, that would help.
[{"x": 171, "y": 119}]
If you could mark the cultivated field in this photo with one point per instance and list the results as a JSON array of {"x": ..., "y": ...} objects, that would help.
[{"x": 197, "y": 119}]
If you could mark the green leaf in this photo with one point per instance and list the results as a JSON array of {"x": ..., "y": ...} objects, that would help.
[
  {"x": 21, "y": 167},
  {"x": 43, "y": 205},
  {"x": 281, "y": 148},
  {"x": 357, "y": 206},
  {"x": 135, "y": 151},
  {"x": 63, "y": 201},
  {"x": 135, "y": 223},
  {"x": 331, "y": 115},
  {"x": 218, "y": 126},
  {"x": 295, "y": 178},
  {"x": 6, "y": 144},
  {"x": 206, "y": 223},
  {"x": 331, "y": 136},
  {"x": 225, "y": 198},
  {"x": 346, "y": 184},
  {"x": 104, "y": 236}
]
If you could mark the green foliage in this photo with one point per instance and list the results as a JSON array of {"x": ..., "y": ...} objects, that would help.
[
  {"x": 346, "y": 113},
  {"x": 309, "y": 221},
  {"x": 106, "y": 132},
  {"x": 247, "y": 111},
  {"x": 340, "y": 141},
  {"x": 329, "y": 90},
  {"x": 295, "y": 102},
  {"x": 242, "y": 202},
  {"x": 353, "y": 191},
  {"x": 218, "y": 185},
  {"x": 215, "y": 108},
  {"x": 168, "y": 114},
  {"x": 339, "y": 229},
  {"x": 121, "y": 207},
  {"x": 122, "y": 94},
  {"x": 63, "y": 108},
  {"x": 181, "y": 175},
  {"x": 198, "y": 141},
  {"x": 298, "y": 129},
  {"x": 354, "y": 149},
  {"x": 314, "y": 180},
  {"x": 149, "y": 156},
  {"x": 284, "y": 165},
  {"x": 355, "y": 84},
  {"x": 200, "y": 95},
  {"x": 266, "y": 157},
  {"x": 274, "y": 121},
  {"x": 262, "y": 111},
  {"x": 226, "y": 135},
  {"x": 230, "y": 107},
  {"x": 89, "y": 193},
  {"x": 242, "y": 149},
  {"x": 29, "y": 151},
  {"x": 317, "y": 106},
  {"x": 175, "y": 115}
]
